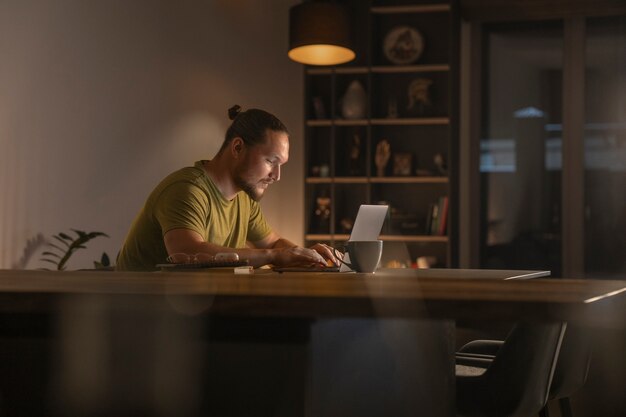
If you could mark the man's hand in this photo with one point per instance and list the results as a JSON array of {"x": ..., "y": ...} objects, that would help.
[
  {"x": 327, "y": 252},
  {"x": 286, "y": 253},
  {"x": 297, "y": 256}
]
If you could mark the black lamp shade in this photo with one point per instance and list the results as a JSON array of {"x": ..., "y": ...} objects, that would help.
[{"x": 319, "y": 33}]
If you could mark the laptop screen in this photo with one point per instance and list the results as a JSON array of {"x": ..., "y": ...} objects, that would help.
[{"x": 369, "y": 222}]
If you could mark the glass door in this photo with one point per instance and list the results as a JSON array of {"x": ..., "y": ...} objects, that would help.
[
  {"x": 520, "y": 146},
  {"x": 605, "y": 147},
  {"x": 553, "y": 146}
]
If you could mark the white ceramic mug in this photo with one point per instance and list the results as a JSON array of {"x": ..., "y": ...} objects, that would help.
[{"x": 364, "y": 255}]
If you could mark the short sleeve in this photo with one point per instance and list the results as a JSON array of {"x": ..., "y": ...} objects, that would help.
[{"x": 182, "y": 205}]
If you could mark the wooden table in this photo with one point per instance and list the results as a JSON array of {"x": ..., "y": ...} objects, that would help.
[
  {"x": 215, "y": 343},
  {"x": 405, "y": 293}
]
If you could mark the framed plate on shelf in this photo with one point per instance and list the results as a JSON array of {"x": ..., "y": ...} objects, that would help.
[{"x": 403, "y": 45}]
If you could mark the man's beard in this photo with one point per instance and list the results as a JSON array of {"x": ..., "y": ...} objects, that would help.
[{"x": 249, "y": 188}]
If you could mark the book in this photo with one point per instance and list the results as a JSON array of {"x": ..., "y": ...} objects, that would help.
[
  {"x": 434, "y": 219},
  {"x": 443, "y": 215},
  {"x": 429, "y": 219}
]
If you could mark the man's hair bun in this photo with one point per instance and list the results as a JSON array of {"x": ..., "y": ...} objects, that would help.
[
  {"x": 251, "y": 126},
  {"x": 234, "y": 111}
]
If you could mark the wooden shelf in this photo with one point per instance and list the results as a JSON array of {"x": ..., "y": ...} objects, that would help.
[
  {"x": 380, "y": 122},
  {"x": 325, "y": 237},
  {"x": 421, "y": 8},
  {"x": 355, "y": 122},
  {"x": 380, "y": 69},
  {"x": 398, "y": 69},
  {"x": 413, "y": 196},
  {"x": 351, "y": 70},
  {"x": 318, "y": 180},
  {"x": 387, "y": 238},
  {"x": 336, "y": 122},
  {"x": 409, "y": 180},
  {"x": 419, "y": 238},
  {"x": 337, "y": 70},
  {"x": 411, "y": 121},
  {"x": 319, "y": 123},
  {"x": 336, "y": 180},
  {"x": 350, "y": 180},
  {"x": 377, "y": 180}
]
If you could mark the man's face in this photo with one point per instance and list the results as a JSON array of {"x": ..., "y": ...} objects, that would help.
[{"x": 259, "y": 165}]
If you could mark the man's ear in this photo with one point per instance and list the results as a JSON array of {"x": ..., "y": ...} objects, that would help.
[{"x": 237, "y": 147}]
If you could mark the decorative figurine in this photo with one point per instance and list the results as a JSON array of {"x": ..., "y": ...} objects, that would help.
[
  {"x": 402, "y": 162},
  {"x": 383, "y": 151},
  {"x": 321, "y": 215},
  {"x": 346, "y": 224},
  {"x": 355, "y": 155},
  {"x": 419, "y": 96},
  {"x": 441, "y": 164},
  {"x": 354, "y": 102}
]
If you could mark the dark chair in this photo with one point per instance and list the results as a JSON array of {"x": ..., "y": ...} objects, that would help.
[
  {"x": 516, "y": 380},
  {"x": 571, "y": 368}
]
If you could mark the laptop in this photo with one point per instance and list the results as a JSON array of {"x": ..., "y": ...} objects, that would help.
[
  {"x": 369, "y": 222},
  {"x": 367, "y": 226}
]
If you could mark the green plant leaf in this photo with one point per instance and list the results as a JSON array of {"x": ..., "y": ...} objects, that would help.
[
  {"x": 66, "y": 237},
  {"x": 61, "y": 240},
  {"x": 62, "y": 250},
  {"x": 71, "y": 247}
]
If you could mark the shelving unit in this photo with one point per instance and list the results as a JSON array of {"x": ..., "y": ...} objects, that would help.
[{"x": 421, "y": 171}]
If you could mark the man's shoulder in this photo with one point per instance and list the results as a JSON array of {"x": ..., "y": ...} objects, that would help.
[
  {"x": 191, "y": 175},
  {"x": 183, "y": 180}
]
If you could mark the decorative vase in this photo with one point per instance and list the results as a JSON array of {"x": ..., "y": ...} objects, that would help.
[{"x": 354, "y": 103}]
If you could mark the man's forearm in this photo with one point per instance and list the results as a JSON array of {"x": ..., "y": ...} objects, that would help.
[
  {"x": 276, "y": 251},
  {"x": 283, "y": 243}
]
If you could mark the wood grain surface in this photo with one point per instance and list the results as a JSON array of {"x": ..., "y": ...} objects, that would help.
[{"x": 388, "y": 293}]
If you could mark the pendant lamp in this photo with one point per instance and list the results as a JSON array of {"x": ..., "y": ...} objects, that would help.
[{"x": 319, "y": 33}]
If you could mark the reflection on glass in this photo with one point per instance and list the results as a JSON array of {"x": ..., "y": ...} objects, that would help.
[
  {"x": 520, "y": 147},
  {"x": 605, "y": 147}
]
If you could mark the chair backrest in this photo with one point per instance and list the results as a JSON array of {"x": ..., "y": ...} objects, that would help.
[
  {"x": 522, "y": 371},
  {"x": 572, "y": 367}
]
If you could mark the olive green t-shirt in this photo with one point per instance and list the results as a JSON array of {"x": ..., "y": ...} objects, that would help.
[{"x": 188, "y": 199}]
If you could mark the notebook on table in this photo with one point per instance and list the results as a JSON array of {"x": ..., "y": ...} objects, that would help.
[{"x": 367, "y": 226}]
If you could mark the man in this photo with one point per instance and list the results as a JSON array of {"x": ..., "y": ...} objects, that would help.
[{"x": 213, "y": 206}]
